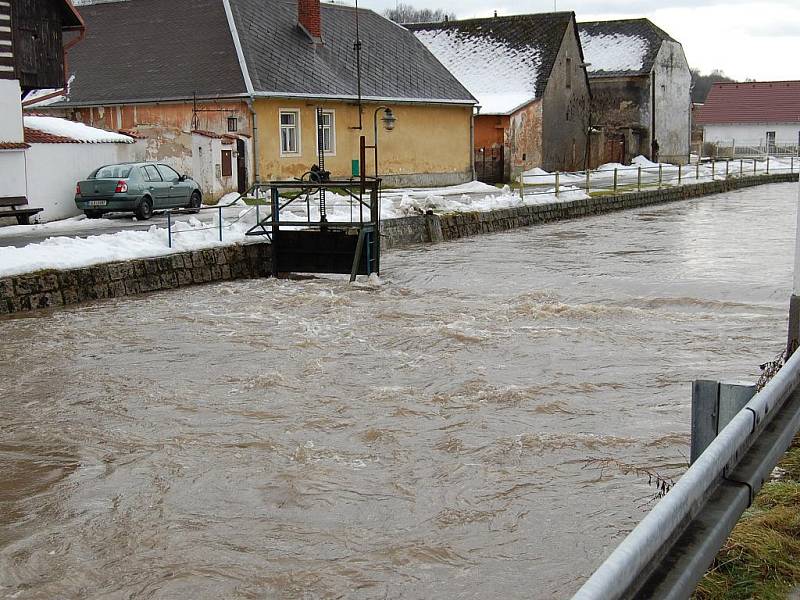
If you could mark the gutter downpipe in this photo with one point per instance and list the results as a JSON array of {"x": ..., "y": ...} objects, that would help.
[
  {"x": 472, "y": 142},
  {"x": 248, "y": 82}
]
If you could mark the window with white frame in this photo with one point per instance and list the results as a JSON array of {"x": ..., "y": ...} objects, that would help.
[
  {"x": 290, "y": 132},
  {"x": 328, "y": 120}
]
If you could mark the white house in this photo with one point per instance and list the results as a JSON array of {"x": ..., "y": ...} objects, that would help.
[{"x": 752, "y": 118}]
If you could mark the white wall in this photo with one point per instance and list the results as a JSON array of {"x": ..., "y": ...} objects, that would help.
[
  {"x": 207, "y": 167},
  {"x": 673, "y": 81},
  {"x": 752, "y": 133},
  {"x": 54, "y": 169},
  {"x": 10, "y": 111}
]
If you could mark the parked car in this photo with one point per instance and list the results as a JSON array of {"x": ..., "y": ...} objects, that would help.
[{"x": 139, "y": 187}]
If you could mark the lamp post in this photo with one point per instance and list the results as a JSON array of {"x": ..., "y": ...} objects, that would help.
[{"x": 389, "y": 120}]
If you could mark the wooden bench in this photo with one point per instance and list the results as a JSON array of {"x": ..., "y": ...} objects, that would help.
[{"x": 15, "y": 203}]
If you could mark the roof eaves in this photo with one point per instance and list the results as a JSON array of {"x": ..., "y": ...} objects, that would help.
[
  {"x": 122, "y": 102},
  {"x": 354, "y": 98}
]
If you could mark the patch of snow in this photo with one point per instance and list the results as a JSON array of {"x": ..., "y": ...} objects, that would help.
[
  {"x": 231, "y": 198},
  {"x": 613, "y": 52},
  {"x": 74, "y": 130},
  {"x": 500, "y": 77}
]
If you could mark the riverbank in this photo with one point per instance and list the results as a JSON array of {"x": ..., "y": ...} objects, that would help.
[
  {"x": 39, "y": 287},
  {"x": 761, "y": 558}
]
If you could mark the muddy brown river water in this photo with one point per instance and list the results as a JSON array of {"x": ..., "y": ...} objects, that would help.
[{"x": 431, "y": 437}]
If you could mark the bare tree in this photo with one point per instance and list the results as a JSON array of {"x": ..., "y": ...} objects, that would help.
[{"x": 405, "y": 13}]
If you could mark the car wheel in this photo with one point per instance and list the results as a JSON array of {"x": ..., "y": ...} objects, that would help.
[
  {"x": 195, "y": 201},
  {"x": 145, "y": 209},
  {"x": 93, "y": 214}
]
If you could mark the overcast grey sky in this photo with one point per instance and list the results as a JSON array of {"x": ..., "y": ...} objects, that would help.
[{"x": 744, "y": 38}]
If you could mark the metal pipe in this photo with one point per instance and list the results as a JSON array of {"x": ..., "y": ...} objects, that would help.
[
  {"x": 169, "y": 228},
  {"x": 220, "y": 223}
]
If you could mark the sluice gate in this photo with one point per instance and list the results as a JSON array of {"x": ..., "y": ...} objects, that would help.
[{"x": 305, "y": 240}]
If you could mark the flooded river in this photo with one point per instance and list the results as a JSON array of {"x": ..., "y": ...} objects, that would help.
[{"x": 437, "y": 436}]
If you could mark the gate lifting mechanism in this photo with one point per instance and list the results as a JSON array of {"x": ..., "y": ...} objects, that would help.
[{"x": 320, "y": 245}]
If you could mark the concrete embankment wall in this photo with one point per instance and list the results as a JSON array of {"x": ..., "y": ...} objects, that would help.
[
  {"x": 438, "y": 228},
  {"x": 48, "y": 289}
]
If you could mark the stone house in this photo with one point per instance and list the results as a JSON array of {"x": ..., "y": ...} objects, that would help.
[
  {"x": 528, "y": 74},
  {"x": 242, "y": 105},
  {"x": 752, "y": 118},
  {"x": 641, "y": 90}
]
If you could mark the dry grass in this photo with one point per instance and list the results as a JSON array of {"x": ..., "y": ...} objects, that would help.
[{"x": 761, "y": 558}]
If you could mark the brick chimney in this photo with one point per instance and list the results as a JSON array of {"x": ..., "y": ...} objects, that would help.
[{"x": 309, "y": 19}]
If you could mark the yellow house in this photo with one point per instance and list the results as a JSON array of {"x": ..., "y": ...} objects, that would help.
[
  {"x": 255, "y": 80},
  {"x": 307, "y": 88}
]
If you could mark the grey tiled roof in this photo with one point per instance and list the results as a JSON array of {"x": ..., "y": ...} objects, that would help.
[
  {"x": 144, "y": 50},
  {"x": 150, "y": 50},
  {"x": 282, "y": 60},
  {"x": 643, "y": 29},
  {"x": 538, "y": 34}
]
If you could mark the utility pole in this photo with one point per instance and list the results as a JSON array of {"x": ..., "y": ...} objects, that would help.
[{"x": 794, "y": 303}]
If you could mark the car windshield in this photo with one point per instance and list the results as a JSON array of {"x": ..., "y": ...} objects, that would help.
[{"x": 112, "y": 172}]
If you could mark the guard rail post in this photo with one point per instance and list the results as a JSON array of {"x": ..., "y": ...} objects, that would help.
[
  {"x": 220, "y": 223},
  {"x": 169, "y": 228},
  {"x": 639, "y": 179},
  {"x": 615, "y": 181},
  {"x": 680, "y": 174},
  {"x": 558, "y": 183},
  {"x": 660, "y": 175}
]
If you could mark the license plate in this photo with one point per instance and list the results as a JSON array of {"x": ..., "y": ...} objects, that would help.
[{"x": 97, "y": 202}]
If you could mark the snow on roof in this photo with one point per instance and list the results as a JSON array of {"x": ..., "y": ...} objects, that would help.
[
  {"x": 614, "y": 52},
  {"x": 501, "y": 78},
  {"x": 72, "y": 131}
]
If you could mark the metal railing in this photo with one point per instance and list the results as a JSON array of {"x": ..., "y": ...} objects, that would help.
[
  {"x": 614, "y": 181},
  {"x": 669, "y": 551},
  {"x": 255, "y": 192}
]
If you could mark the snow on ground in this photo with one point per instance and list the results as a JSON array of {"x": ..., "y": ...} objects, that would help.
[
  {"x": 613, "y": 52},
  {"x": 72, "y": 252},
  {"x": 75, "y": 131},
  {"x": 489, "y": 68}
]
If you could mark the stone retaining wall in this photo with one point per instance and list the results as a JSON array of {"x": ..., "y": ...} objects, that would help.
[
  {"x": 436, "y": 228},
  {"x": 47, "y": 289}
]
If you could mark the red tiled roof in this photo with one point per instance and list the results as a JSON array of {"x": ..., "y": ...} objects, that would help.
[
  {"x": 758, "y": 102},
  {"x": 34, "y": 136},
  {"x": 13, "y": 146},
  {"x": 226, "y": 138},
  {"x": 133, "y": 133}
]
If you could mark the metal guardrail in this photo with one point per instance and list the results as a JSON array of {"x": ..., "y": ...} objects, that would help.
[{"x": 669, "y": 551}]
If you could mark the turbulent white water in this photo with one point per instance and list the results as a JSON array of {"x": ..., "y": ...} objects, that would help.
[{"x": 436, "y": 436}]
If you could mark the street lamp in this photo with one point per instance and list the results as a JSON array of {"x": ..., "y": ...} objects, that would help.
[{"x": 389, "y": 121}]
